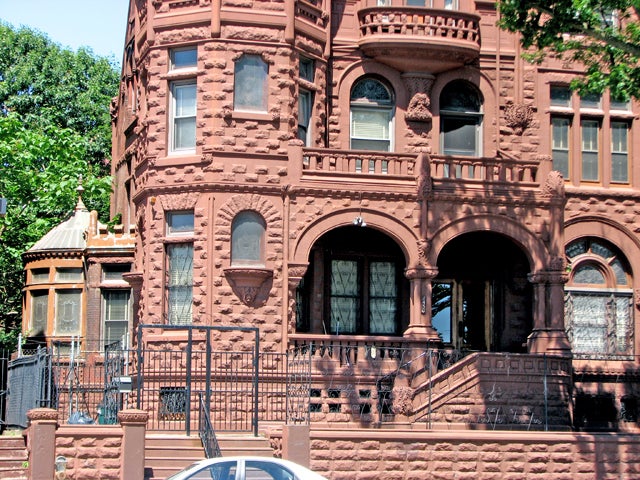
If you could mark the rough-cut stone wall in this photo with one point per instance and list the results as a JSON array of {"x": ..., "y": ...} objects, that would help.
[
  {"x": 92, "y": 452},
  {"x": 469, "y": 455}
]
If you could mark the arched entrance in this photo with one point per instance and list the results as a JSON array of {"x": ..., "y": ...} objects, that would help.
[
  {"x": 354, "y": 285},
  {"x": 482, "y": 299}
]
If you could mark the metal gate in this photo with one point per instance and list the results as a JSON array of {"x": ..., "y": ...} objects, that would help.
[
  {"x": 172, "y": 382},
  {"x": 28, "y": 386}
]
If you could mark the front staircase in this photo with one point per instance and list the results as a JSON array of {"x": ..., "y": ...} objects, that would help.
[
  {"x": 487, "y": 390},
  {"x": 13, "y": 457},
  {"x": 166, "y": 454}
]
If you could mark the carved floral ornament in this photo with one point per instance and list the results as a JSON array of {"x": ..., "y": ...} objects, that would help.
[{"x": 518, "y": 116}]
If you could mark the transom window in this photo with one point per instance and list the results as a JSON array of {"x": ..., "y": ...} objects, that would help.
[
  {"x": 372, "y": 110},
  {"x": 598, "y": 304},
  {"x": 460, "y": 119},
  {"x": 250, "y": 84},
  {"x": 180, "y": 222},
  {"x": 181, "y": 58}
]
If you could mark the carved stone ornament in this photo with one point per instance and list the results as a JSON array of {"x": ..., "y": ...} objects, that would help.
[
  {"x": 419, "y": 108},
  {"x": 554, "y": 185},
  {"x": 636, "y": 295},
  {"x": 247, "y": 282},
  {"x": 402, "y": 400},
  {"x": 133, "y": 416},
  {"x": 518, "y": 116}
]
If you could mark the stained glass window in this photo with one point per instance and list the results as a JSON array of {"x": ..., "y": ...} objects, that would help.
[{"x": 598, "y": 306}]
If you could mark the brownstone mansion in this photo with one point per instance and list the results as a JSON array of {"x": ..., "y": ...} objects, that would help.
[{"x": 376, "y": 222}]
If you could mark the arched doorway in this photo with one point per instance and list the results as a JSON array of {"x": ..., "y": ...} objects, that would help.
[
  {"x": 354, "y": 285},
  {"x": 482, "y": 299}
]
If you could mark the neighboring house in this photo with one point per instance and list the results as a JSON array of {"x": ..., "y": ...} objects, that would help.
[
  {"x": 381, "y": 186},
  {"x": 75, "y": 292}
]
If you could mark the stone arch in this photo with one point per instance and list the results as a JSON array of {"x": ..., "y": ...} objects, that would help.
[
  {"x": 601, "y": 227},
  {"x": 531, "y": 245},
  {"x": 257, "y": 203},
  {"x": 402, "y": 234}
]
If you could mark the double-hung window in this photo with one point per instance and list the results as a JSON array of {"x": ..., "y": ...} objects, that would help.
[
  {"x": 305, "y": 100},
  {"x": 179, "y": 268},
  {"x": 599, "y": 151},
  {"x": 461, "y": 120},
  {"x": 116, "y": 313},
  {"x": 372, "y": 109},
  {"x": 619, "y": 152},
  {"x": 183, "y": 62},
  {"x": 39, "y": 312}
]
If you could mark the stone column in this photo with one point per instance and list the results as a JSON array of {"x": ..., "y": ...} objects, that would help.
[
  {"x": 549, "y": 335},
  {"x": 134, "y": 424},
  {"x": 420, "y": 314},
  {"x": 41, "y": 443}
]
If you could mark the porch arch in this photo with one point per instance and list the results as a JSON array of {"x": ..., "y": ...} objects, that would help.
[
  {"x": 532, "y": 246},
  {"x": 402, "y": 234}
]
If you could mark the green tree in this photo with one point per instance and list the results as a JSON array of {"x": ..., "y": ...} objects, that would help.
[
  {"x": 55, "y": 128},
  {"x": 603, "y": 35},
  {"x": 47, "y": 85},
  {"x": 39, "y": 173}
]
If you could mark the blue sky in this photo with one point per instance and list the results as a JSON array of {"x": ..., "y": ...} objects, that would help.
[{"x": 98, "y": 24}]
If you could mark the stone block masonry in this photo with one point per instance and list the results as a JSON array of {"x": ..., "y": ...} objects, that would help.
[{"x": 473, "y": 455}]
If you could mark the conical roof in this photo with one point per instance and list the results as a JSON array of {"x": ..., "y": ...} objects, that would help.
[{"x": 68, "y": 235}]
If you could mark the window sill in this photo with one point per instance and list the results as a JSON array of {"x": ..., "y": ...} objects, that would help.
[
  {"x": 174, "y": 159},
  {"x": 257, "y": 116}
]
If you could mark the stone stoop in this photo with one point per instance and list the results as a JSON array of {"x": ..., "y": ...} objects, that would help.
[
  {"x": 166, "y": 454},
  {"x": 13, "y": 458}
]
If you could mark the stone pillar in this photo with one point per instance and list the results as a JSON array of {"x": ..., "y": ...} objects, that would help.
[
  {"x": 134, "y": 424},
  {"x": 41, "y": 443},
  {"x": 420, "y": 315},
  {"x": 296, "y": 444},
  {"x": 549, "y": 335}
]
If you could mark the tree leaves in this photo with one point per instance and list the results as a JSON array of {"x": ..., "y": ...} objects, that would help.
[
  {"x": 603, "y": 35},
  {"x": 55, "y": 128}
]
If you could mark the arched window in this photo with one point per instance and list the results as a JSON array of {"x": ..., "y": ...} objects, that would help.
[
  {"x": 371, "y": 116},
  {"x": 250, "y": 92},
  {"x": 247, "y": 239},
  {"x": 461, "y": 120},
  {"x": 598, "y": 306}
]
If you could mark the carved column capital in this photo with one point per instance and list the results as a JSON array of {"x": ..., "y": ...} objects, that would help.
[{"x": 421, "y": 272}]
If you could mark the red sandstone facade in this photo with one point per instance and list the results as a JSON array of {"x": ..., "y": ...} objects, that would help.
[{"x": 370, "y": 177}]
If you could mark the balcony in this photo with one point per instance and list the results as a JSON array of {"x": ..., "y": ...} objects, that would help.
[
  {"x": 412, "y": 39},
  {"x": 400, "y": 172}
]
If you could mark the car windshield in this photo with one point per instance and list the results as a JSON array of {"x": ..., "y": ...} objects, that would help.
[{"x": 191, "y": 468}]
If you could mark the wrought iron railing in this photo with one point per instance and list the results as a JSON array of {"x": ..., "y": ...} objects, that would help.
[{"x": 206, "y": 431}]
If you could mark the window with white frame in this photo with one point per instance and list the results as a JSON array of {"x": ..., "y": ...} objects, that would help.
[
  {"x": 183, "y": 58},
  {"x": 183, "y": 116},
  {"x": 250, "y": 90},
  {"x": 116, "y": 314},
  {"x": 460, "y": 119},
  {"x": 372, "y": 110},
  {"x": 599, "y": 300},
  {"x": 247, "y": 239},
  {"x": 68, "y": 312}
]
